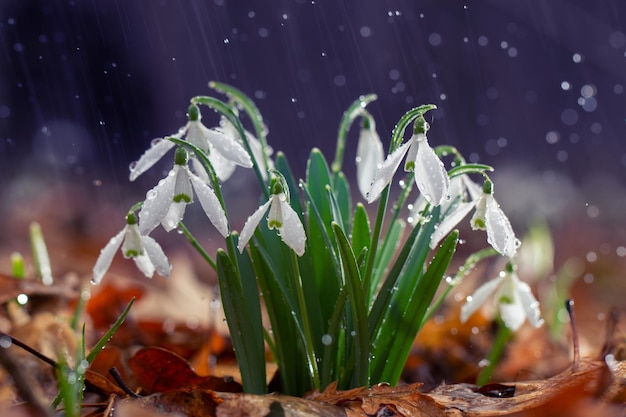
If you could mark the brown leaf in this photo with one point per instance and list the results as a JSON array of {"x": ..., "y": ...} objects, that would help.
[
  {"x": 159, "y": 370},
  {"x": 381, "y": 400},
  {"x": 190, "y": 402},
  {"x": 564, "y": 394}
]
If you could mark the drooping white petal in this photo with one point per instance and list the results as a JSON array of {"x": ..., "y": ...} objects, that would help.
[
  {"x": 512, "y": 314},
  {"x": 132, "y": 245},
  {"x": 150, "y": 157},
  {"x": 415, "y": 216},
  {"x": 478, "y": 221},
  {"x": 228, "y": 147},
  {"x": 529, "y": 302},
  {"x": 450, "y": 221},
  {"x": 292, "y": 231},
  {"x": 430, "y": 174},
  {"x": 255, "y": 146},
  {"x": 500, "y": 234},
  {"x": 251, "y": 225},
  {"x": 106, "y": 256},
  {"x": 474, "y": 190},
  {"x": 257, "y": 151},
  {"x": 144, "y": 264},
  {"x": 157, "y": 256},
  {"x": 157, "y": 203},
  {"x": 210, "y": 204},
  {"x": 369, "y": 156},
  {"x": 411, "y": 155},
  {"x": 478, "y": 298},
  {"x": 223, "y": 167},
  {"x": 174, "y": 215},
  {"x": 196, "y": 134},
  {"x": 385, "y": 173},
  {"x": 275, "y": 216}
]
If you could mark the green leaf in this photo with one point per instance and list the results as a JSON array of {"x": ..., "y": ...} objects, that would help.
[
  {"x": 469, "y": 169},
  {"x": 356, "y": 109},
  {"x": 361, "y": 232},
  {"x": 395, "y": 296},
  {"x": 245, "y": 326},
  {"x": 398, "y": 131},
  {"x": 393, "y": 239},
  {"x": 411, "y": 316},
  {"x": 358, "y": 310},
  {"x": 341, "y": 191}
]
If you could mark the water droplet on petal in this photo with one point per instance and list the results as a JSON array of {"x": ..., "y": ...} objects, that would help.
[
  {"x": 151, "y": 195},
  {"x": 155, "y": 141}
]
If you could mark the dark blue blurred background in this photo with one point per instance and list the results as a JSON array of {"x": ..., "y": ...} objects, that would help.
[{"x": 87, "y": 84}]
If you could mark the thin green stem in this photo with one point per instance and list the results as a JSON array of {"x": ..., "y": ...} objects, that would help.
[
  {"x": 378, "y": 226},
  {"x": 226, "y": 111},
  {"x": 497, "y": 349},
  {"x": 349, "y": 115},
  {"x": 196, "y": 245},
  {"x": 308, "y": 342},
  {"x": 251, "y": 110}
]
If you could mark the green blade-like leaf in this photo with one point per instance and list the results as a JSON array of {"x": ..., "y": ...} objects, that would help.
[
  {"x": 416, "y": 307},
  {"x": 392, "y": 240},
  {"x": 358, "y": 309},
  {"x": 398, "y": 293},
  {"x": 469, "y": 169},
  {"x": 244, "y": 326},
  {"x": 341, "y": 191},
  {"x": 361, "y": 232}
]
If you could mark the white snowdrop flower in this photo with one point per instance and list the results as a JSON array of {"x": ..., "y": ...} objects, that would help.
[
  {"x": 166, "y": 202},
  {"x": 144, "y": 250},
  {"x": 369, "y": 155},
  {"x": 431, "y": 176},
  {"x": 490, "y": 217},
  {"x": 222, "y": 148},
  {"x": 487, "y": 216},
  {"x": 255, "y": 146},
  {"x": 514, "y": 298},
  {"x": 281, "y": 217}
]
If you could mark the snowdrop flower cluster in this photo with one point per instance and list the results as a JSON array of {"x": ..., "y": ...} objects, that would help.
[
  {"x": 514, "y": 299},
  {"x": 165, "y": 204},
  {"x": 281, "y": 217},
  {"x": 431, "y": 176}
]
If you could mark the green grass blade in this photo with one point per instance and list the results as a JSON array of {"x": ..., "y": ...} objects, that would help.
[
  {"x": 358, "y": 310},
  {"x": 416, "y": 307},
  {"x": 244, "y": 326}
]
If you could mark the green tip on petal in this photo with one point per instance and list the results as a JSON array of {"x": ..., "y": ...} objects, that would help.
[
  {"x": 181, "y": 156},
  {"x": 131, "y": 218},
  {"x": 193, "y": 113},
  {"x": 182, "y": 198},
  {"x": 274, "y": 224},
  {"x": 131, "y": 254},
  {"x": 421, "y": 126},
  {"x": 488, "y": 186}
]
